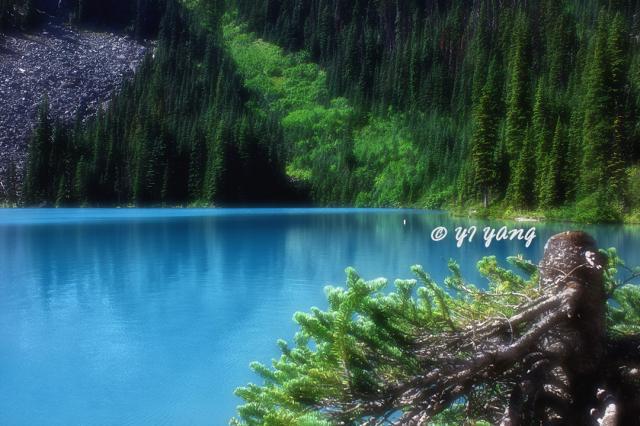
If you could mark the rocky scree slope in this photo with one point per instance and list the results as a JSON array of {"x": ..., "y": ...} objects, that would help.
[{"x": 77, "y": 70}]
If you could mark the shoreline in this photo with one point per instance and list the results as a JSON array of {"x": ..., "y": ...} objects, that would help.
[
  {"x": 521, "y": 217},
  {"x": 539, "y": 217}
]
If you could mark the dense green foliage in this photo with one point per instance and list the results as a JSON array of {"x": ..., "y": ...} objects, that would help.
[
  {"x": 179, "y": 133},
  {"x": 530, "y": 106},
  {"x": 368, "y": 336},
  {"x": 343, "y": 156},
  {"x": 515, "y": 106}
]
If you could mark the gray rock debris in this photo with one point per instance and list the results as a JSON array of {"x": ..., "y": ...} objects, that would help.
[{"x": 75, "y": 68}]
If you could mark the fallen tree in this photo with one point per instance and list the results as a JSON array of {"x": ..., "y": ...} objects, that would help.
[{"x": 560, "y": 347}]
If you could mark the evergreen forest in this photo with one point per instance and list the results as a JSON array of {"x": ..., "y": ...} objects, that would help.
[{"x": 495, "y": 107}]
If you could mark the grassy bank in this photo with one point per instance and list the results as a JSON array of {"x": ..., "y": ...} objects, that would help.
[{"x": 573, "y": 214}]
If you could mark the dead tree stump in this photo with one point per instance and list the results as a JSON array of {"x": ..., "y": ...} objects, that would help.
[
  {"x": 571, "y": 353},
  {"x": 552, "y": 361}
]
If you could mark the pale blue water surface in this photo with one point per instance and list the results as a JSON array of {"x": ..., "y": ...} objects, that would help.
[{"x": 151, "y": 317}]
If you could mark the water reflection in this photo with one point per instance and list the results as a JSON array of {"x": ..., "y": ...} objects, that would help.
[{"x": 152, "y": 316}]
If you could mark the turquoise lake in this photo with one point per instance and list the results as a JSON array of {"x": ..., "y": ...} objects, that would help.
[{"x": 152, "y": 316}]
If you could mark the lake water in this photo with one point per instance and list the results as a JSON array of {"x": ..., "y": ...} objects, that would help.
[{"x": 151, "y": 317}]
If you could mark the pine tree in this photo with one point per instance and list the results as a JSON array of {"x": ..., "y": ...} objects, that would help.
[
  {"x": 81, "y": 182},
  {"x": 518, "y": 88},
  {"x": 215, "y": 161},
  {"x": 37, "y": 180},
  {"x": 10, "y": 185},
  {"x": 140, "y": 165},
  {"x": 197, "y": 164},
  {"x": 454, "y": 353},
  {"x": 552, "y": 190},
  {"x": 485, "y": 136},
  {"x": 521, "y": 191},
  {"x": 212, "y": 13},
  {"x": 480, "y": 52},
  {"x": 561, "y": 36},
  {"x": 597, "y": 122},
  {"x": 542, "y": 140},
  {"x": 62, "y": 194},
  {"x": 617, "y": 46},
  {"x": 425, "y": 65}
]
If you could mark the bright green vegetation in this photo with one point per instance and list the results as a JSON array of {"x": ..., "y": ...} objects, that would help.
[
  {"x": 369, "y": 341},
  {"x": 316, "y": 129},
  {"x": 344, "y": 156}
]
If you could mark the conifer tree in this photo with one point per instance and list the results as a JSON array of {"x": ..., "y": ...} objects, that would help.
[
  {"x": 140, "y": 166},
  {"x": 213, "y": 11},
  {"x": 542, "y": 140},
  {"x": 215, "y": 161},
  {"x": 419, "y": 70},
  {"x": 197, "y": 164},
  {"x": 573, "y": 163},
  {"x": 597, "y": 121},
  {"x": 81, "y": 184},
  {"x": 518, "y": 87},
  {"x": 485, "y": 136},
  {"x": 617, "y": 46},
  {"x": 520, "y": 193},
  {"x": 561, "y": 36},
  {"x": 552, "y": 190},
  {"x": 10, "y": 185},
  {"x": 37, "y": 180},
  {"x": 62, "y": 194},
  {"x": 480, "y": 51},
  {"x": 456, "y": 353}
]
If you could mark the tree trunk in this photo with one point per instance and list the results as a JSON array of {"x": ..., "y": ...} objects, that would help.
[
  {"x": 564, "y": 375},
  {"x": 551, "y": 362}
]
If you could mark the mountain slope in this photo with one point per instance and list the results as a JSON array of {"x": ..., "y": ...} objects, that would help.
[
  {"x": 535, "y": 103},
  {"x": 77, "y": 70},
  {"x": 493, "y": 106},
  {"x": 178, "y": 134}
]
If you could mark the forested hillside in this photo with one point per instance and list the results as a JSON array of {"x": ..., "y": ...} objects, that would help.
[
  {"x": 524, "y": 105},
  {"x": 178, "y": 134},
  {"x": 504, "y": 105}
]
